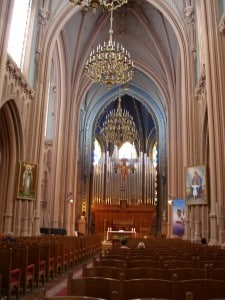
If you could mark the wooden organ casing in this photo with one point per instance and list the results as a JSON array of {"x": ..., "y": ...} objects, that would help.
[{"x": 123, "y": 218}]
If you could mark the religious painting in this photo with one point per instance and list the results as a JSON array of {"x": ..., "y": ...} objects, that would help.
[
  {"x": 178, "y": 215},
  {"x": 196, "y": 185},
  {"x": 27, "y": 180}
]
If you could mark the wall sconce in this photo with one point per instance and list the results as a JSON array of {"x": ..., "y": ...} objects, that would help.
[
  {"x": 170, "y": 199},
  {"x": 70, "y": 197}
]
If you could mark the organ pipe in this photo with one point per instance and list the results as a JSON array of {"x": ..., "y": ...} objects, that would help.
[{"x": 137, "y": 187}]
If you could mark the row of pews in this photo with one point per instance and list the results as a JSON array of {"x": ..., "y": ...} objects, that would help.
[
  {"x": 28, "y": 262},
  {"x": 165, "y": 269}
]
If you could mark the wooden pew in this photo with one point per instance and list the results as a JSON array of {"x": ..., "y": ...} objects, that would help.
[
  {"x": 115, "y": 256},
  {"x": 0, "y": 286},
  {"x": 147, "y": 288},
  {"x": 114, "y": 296},
  {"x": 143, "y": 264},
  {"x": 185, "y": 273},
  {"x": 20, "y": 260},
  {"x": 93, "y": 286},
  {"x": 46, "y": 255},
  {"x": 200, "y": 288},
  {"x": 40, "y": 264},
  {"x": 142, "y": 257},
  {"x": 109, "y": 262},
  {"x": 170, "y": 264},
  {"x": 11, "y": 278},
  {"x": 72, "y": 298},
  {"x": 215, "y": 273},
  {"x": 102, "y": 271},
  {"x": 71, "y": 251},
  {"x": 63, "y": 253},
  {"x": 57, "y": 255},
  {"x": 137, "y": 273}
]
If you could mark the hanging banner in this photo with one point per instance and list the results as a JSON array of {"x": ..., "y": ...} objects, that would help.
[{"x": 178, "y": 216}]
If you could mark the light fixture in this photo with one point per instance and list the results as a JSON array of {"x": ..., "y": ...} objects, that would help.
[
  {"x": 70, "y": 197},
  {"x": 119, "y": 127},
  {"x": 110, "y": 63},
  {"x": 95, "y": 4}
]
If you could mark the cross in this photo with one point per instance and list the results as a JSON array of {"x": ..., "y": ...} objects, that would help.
[{"x": 124, "y": 168}]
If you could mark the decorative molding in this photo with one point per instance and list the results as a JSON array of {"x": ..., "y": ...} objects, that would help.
[
  {"x": 189, "y": 15},
  {"x": 200, "y": 90},
  {"x": 48, "y": 143},
  {"x": 19, "y": 81},
  {"x": 44, "y": 16},
  {"x": 222, "y": 24}
]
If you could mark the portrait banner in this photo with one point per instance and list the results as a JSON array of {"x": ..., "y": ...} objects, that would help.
[
  {"x": 196, "y": 185},
  {"x": 178, "y": 216},
  {"x": 27, "y": 180}
]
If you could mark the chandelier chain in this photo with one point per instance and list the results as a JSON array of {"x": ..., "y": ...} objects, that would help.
[{"x": 110, "y": 63}]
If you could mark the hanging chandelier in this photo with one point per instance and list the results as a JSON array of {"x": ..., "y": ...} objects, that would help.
[
  {"x": 110, "y": 63},
  {"x": 119, "y": 127},
  {"x": 96, "y": 4}
]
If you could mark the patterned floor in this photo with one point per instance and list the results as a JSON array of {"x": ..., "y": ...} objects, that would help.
[{"x": 54, "y": 287}]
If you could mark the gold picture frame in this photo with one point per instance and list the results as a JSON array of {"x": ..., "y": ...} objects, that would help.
[
  {"x": 196, "y": 185},
  {"x": 27, "y": 180}
]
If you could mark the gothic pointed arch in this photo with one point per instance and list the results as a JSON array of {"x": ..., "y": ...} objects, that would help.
[{"x": 11, "y": 151}]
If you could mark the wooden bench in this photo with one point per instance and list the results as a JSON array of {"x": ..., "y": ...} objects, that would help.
[
  {"x": 40, "y": 263},
  {"x": 201, "y": 289},
  {"x": 142, "y": 256},
  {"x": 110, "y": 263},
  {"x": 215, "y": 273},
  {"x": 20, "y": 260},
  {"x": 11, "y": 281},
  {"x": 93, "y": 286},
  {"x": 114, "y": 296},
  {"x": 46, "y": 255},
  {"x": 137, "y": 273},
  {"x": 143, "y": 264},
  {"x": 0, "y": 286},
  {"x": 147, "y": 288},
  {"x": 170, "y": 264},
  {"x": 102, "y": 271},
  {"x": 185, "y": 273},
  {"x": 122, "y": 256}
]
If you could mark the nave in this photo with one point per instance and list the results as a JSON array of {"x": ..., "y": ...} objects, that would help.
[{"x": 164, "y": 269}]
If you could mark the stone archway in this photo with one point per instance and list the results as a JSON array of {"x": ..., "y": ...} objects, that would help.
[{"x": 10, "y": 139}]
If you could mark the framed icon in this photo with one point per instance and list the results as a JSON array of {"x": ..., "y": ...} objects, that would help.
[
  {"x": 27, "y": 180},
  {"x": 196, "y": 185}
]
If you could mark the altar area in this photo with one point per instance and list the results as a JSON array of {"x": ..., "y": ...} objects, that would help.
[
  {"x": 123, "y": 220},
  {"x": 113, "y": 234}
]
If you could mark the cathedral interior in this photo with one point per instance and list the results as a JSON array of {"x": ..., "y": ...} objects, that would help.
[{"x": 85, "y": 154}]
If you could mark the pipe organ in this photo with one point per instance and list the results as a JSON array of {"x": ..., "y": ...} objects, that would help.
[{"x": 125, "y": 179}]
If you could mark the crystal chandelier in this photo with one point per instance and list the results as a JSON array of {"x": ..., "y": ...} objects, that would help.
[
  {"x": 119, "y": 127},
  {"x": 95, "y": 4},
  {"x": 110, "y": 63}
]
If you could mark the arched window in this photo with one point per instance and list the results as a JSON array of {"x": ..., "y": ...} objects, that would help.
[
  {"x": 97, "y": 152},
  {"x": 154, "y": 155},
  {"x": 127, "y": 150},
  {"x": 19, "y": 31}
]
